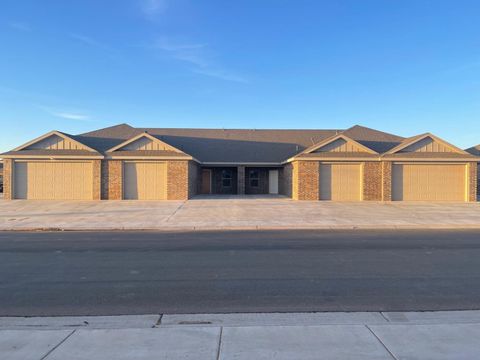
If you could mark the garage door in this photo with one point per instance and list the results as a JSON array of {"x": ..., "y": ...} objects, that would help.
[
  {"x": 145, "y": 180},
  {"x": 53, "y": 180},
  {"x": 429, "y": 182},
  {"x": 340, "y": 182}
]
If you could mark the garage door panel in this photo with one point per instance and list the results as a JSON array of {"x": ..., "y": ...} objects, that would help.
[
  {"x": 53, "y": 180},
  {"x": 145, "y": 181},
  {"x": 429, "y": 182},
  {"x": 340, "y": 182}
]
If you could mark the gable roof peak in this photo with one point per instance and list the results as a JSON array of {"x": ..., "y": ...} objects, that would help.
[
  {"x": 60, "y": 134},
  {"x": 415, "y": 139}
]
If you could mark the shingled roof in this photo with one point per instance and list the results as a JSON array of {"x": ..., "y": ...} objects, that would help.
[
  {"x": 475, "y": 150},
  {"x": 238, "y": 145}
]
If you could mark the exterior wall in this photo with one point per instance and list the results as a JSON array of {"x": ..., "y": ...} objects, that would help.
[
  {"x": 177, "y": 180},
  {"x": 182, "y": 179},
  {"x": 97, "y": 179},
  {"x": 194, "y": 176},
  {"x": 473, "y": 185},
  {"x": 262, "y": 181},
  {"x": 478, "y": 180},
  {"x": 7, "y": 179},
  {"x": 306, "y": 180},
  {"x": 285, "y": 180},
  {"x": 112, "y": 178},
  {"x": 387, "y": 180},
  {"x": 372, "y": 181},
  {"x": 241, "y": 180},
  {"x": 217, "y": 187}
]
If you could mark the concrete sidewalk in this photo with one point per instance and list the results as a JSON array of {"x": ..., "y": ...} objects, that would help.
[
  {"x": 232, "y": 213},
  {"x": 429, "y": 335}
]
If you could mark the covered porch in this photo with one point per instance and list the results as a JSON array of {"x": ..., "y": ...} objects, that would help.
[{"x": 240, "y": 180}]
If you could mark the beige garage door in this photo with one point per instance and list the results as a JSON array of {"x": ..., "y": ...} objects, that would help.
[
  {"x": 429, "y": 182},
  {"x": 53, "y": 180},
  {"x": 144, "y": 180},
  {"x": 340, "y": 182}
]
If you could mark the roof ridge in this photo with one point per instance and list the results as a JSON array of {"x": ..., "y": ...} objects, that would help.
[
  {"x": 106, "y": 128},
  {"x": 231, "y": 129}
]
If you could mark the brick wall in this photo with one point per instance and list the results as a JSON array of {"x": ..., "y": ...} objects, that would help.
[
  {"x": 372, "y": 181},
  {"x": 285, "y": 180},
  {"x": 97, "y": 179},
  {"x": 241, "y": 180},
  {"x": 478, "y": 179},
  {"x": 306, "y": 180},
  {"x": 473, "y": 181},
  {"x": 7, "y": 179},
  {"x": 177, "y": 180},
  {"x": 112, "y": 174},
  {"x": 387, "y": 180}
]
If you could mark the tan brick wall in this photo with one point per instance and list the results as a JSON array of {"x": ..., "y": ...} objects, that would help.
[
  {"x": 112, "y": 177},
  {"x": 387, "y": 180},
  {"x": 473, "y": 181},
  {"x": 285, "y": 180},
  {"x": 177, "y": 180},
  {"x": 372, "y": 181},
  {"x": 306, "y": 180},
  {"x": 478, "y": 180},
  {"x": 7, "y": 179},
  {"x": 97, "y": 179}
]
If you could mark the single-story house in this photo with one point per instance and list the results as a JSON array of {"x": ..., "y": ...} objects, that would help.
[{"x": 356, "y": 164}]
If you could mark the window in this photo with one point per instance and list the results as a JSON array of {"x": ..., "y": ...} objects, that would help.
[
  {"x": 254, "y": 178},
  {"x": 226, "y": 178}
]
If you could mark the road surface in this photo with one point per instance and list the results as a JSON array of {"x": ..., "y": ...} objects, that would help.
[{"x": 111, "y": 273}]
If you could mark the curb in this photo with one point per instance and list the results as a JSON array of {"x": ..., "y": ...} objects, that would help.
[{"x": 244, "y": 228}]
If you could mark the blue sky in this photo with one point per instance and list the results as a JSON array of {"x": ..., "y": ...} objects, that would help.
[{"x": 400, "y": 66}]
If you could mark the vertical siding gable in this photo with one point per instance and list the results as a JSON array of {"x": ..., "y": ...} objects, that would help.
[
  {"x": 340, "y": 145},
  {"x": 55, "y": 142},
  {"x": 144, "y": 144},
  {"x": 428, "y": 145}
]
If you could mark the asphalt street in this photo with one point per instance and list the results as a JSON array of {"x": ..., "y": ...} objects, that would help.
[{"x": 112, "y": 273}]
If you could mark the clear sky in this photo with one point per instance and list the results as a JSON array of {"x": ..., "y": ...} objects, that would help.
[{"x": 406, "y": 67}]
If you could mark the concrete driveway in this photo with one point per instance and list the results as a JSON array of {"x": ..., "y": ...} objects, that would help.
[{"x": 246, "y": 212}]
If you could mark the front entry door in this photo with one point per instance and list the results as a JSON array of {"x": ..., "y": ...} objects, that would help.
[
  {"x": 273, "y": 182},
  {"x": 206, "y": 181}
]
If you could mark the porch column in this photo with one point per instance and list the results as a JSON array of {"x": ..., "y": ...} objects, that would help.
[{"x": 241, "y": 180}]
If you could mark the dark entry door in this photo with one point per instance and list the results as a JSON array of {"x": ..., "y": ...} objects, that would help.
[{"x": 206, "y": 181}]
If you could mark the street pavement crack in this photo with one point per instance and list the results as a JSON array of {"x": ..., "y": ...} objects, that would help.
[
  {"x": 381, "y": 342},
  {"x": 175, "y": 212},
  {"x": 219, "y": 343},
  {"x": 57, "y": 346}
]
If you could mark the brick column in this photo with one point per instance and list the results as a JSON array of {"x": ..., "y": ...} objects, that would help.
[
  {"x": 112, "y": 180},
  {"x": 473, "y": 181},
  {"x": 306, "y": 177},
  {"x": 386, "y": 180},
  {"x": 177, "y": 180},
  {"x": 241, "y": 180},
  {"x": 8, "y": 179},
  {"x": 478, "y": 180},
  {"x": 372, "y": 181},
  {"x": 97, "y": 179}
]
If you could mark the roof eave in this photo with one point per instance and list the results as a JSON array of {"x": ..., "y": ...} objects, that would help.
[{"x": 26, "y": 156}]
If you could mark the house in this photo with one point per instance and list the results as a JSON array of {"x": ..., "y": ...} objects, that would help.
[
  {"x": 123, "y": 162},
  {"x": 476, "y": 152}
]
